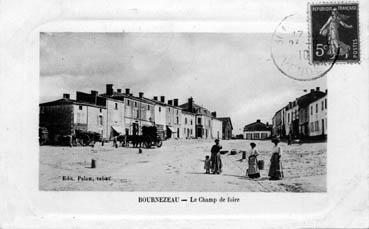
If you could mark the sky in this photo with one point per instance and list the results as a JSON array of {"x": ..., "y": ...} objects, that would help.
[{"x": 230, "y": 73}]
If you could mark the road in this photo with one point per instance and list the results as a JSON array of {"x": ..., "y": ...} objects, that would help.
[{"x": 177, "y": 166}]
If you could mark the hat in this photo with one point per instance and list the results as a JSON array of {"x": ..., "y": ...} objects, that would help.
[
  {"x": 252, "y": 144},
  {"x": 276, "y": 140},
  {"x": 216, "y": 140}
]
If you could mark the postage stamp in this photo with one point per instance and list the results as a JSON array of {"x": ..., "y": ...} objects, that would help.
[{"x": 334, "y": 31}]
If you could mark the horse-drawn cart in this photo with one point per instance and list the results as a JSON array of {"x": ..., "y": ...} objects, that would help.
[{"x": 150, "y": 137}]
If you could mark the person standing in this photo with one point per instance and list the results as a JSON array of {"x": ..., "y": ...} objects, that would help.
[
  {"x": 253, "y": 170},
  {"x": 115, "y": 141},
  {"x": 275, "y": 169},
  {"x": 216, "y": 162}
]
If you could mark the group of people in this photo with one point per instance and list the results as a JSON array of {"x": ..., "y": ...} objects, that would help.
[
  {"x": 214, "y": 164},
  {"x": 275, "y": 168}
]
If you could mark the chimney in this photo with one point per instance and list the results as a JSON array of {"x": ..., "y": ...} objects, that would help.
[
  {"x": 162, "y": 99},
  {"x": 258, "y": 120},
  {"x": 175, "y": 102},
  {"x": 326, "y": 91},
  {"x": 94, "y": 93},
  {"x": 190, "y": 104},
  {"x": 109, "y": 89},
  {"x": 119, "y": 90},
  {"x": 170, "y": 102},
  {"x": 214, "y": 114},
  {"x": 317, "y": 88},
  {"x": 141, "y": 94},
  {"x": 66, "y": 96},
  {"x": 311, "y": 90},
  {"x": 155, "y": 98},
  {"x": 127, "y": 91}
]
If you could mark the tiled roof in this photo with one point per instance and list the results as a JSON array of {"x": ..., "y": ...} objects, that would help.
[
  {"x": 257, "y": 126},
  {"x": 65, "y": 101}
]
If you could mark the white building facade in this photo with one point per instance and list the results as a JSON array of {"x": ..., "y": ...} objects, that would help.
[
  {"x": 216, "y": 128},
  {"x": 318, "y": 117},
  {"x": 188, "y": 125}
]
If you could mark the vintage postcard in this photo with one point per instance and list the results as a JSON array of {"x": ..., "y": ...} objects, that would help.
[
  {"x": 138, "y": 115},
  {"x": 167, "y": 112}
]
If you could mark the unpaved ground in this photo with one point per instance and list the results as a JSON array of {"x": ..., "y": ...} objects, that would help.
[{"x": 178, "y": 166}]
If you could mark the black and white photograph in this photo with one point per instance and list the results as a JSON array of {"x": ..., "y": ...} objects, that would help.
[{"x": 185, "y": 112}]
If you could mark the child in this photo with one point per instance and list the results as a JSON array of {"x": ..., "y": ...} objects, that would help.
[{"x": 207, "y": 164}]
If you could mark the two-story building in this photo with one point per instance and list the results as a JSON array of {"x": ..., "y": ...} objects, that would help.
[
  {"x": 292, "y": 119},
  {"x": 66, "y": 116},
  {"x": 216, "y": 127},
  {"x": 278, "y": 123},
  {"x": 173, "y": 119},
  {"x": 188, "y": 125},
  {"x": 203, "y": 119},
  {"x": 226, "y": 127},
  {"x": 138, "y": 111},
  {"x": 114, "y": 125},
  {"x": 160, "y": 114},
  {"x": 318, "y": 117},
  {"x": 305, "y": 111}
]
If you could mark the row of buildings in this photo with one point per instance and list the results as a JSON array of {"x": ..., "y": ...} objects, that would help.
[
  {"x": 118, "y": 112},
  {"x": 304, "y": 117}
]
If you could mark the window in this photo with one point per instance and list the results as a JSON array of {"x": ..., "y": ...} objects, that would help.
[
  {"x": 128, "y": 102},
  {"x": 80, "y": 108},
  {"x": 322, "y": 105},
  {"x": 100, "y": 110},
  {"x": 177, "y": 120},
  {"x": 311, "y": 110},
  {"x": 186, "y": 121},
  {"x": 169, "y": 109},
  {"x": 325, "y": 103},
  {"x": 191, "y": 131},
  {"x": 191, "y": 123},
  {"x": 100, "y": 120},
  {"x": 199, "y": 120},
  {"x": 316, "y": 125},
  {"x": 177, "y": 111},
  {"x": 135, "y": 104},
  {"x": 116, "y": 106},
  {"x": 316, "y": 108},
  {"x": 148, "y": 107},
  {"x": 288, "y": 117},
  {"x": 159, "y": 109}
]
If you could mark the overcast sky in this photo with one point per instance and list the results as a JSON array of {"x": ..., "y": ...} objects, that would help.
[{"x": 231, "y": 74}]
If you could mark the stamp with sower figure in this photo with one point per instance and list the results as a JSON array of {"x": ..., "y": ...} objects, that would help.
[{"x": 334, "y": 30}]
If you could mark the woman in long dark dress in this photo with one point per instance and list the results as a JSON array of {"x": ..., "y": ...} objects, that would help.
[
  {"x": 216, "y": 161},
  {"x": 253, "y": 170},
  {"x": 275, "y": 169}
]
